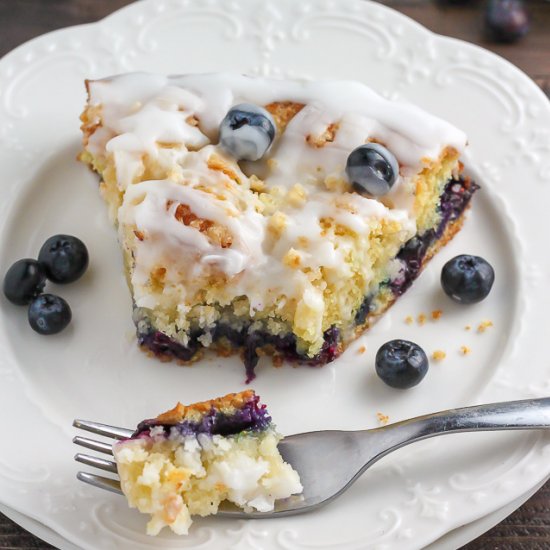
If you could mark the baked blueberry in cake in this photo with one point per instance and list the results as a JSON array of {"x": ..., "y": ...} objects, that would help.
[
  {"x": 269, "y": 217},
  {"x": 188, "y": 460}
]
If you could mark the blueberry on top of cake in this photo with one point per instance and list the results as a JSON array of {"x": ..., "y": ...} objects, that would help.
[
  {"x": 267, "y": 216},
  {"x": 188, "y": 460}
]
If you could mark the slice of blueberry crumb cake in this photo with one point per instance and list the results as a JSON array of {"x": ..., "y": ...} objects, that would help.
[
  {"x": 188, "y": 460},
  {"x": 262, "y": 216}
]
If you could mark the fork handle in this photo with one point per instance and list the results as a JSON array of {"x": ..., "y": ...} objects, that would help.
[{"x": 510, "y": 415}]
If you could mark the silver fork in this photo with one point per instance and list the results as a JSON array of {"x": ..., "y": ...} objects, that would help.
[{"x": 343, "y": 454}]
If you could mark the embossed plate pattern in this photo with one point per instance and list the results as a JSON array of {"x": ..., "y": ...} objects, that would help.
[{"x": 93, "y": 369}]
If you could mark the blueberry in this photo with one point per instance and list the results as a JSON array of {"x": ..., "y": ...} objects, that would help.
[
  {"x": 414, "y": 250},
  {"x": 506, "y": 20},
  {"x": 49, "y": 314},
  {"x": 401, "y": 364},
  {"x": 64, "y": 257},
  {"x": 247, "y": 132},
  {"x": 372, "y": 169},
  {"x": 467, "y": 279},
  {"x": 24, "y": 280}
]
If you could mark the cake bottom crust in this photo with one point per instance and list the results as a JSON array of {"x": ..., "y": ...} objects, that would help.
[{"x": 227, "y": 341}]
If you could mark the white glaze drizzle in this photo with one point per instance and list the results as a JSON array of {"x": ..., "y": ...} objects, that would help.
[{"x": 140, "y": 110}]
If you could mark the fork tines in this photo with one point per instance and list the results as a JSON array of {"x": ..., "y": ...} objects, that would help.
[
  {"x": 103, "y": 429},
  {"x": 114, "y": 432},
  {"x": 100, "y": 482}
]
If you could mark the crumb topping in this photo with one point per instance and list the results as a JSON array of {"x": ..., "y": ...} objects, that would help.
[
  {"x": 290, "y": 216},
  {"x": 436, "y": 314},
  {"x": 229, "y": 401},
  {"x": 484, "y": 325}
]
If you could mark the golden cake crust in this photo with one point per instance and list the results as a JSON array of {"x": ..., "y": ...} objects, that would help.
[{"x": 181, "y": 412}]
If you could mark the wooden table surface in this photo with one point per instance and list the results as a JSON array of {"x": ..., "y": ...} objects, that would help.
[{"x": 529, "y": 527}]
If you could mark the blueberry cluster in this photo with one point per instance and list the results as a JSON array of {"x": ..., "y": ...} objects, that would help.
[
  {"x": 62, "y": 259},
  {"x": 465, "y": 279}
]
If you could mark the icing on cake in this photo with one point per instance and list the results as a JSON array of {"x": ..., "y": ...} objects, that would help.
[{"x": 280, "y": 246}]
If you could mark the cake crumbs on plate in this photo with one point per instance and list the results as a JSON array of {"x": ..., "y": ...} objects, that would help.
[
  {"x": 422, "y": 317},
  {"x": 362, "y": 350},
  {"x": 468, "y": 327},
  {"x": 382, "y": 418},
  {"x": 465, "y": 350},
  {"x": 484, "y": 325},
  {"x": 438, "y": 355}
]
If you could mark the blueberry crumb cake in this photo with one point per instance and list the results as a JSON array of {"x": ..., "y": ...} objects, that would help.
[
  {"x": 188, "y": 460},
  {"x": 268, "y": 217}
]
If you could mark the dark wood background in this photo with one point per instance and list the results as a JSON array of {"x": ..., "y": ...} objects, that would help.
[{"x": 529, "y": 527}]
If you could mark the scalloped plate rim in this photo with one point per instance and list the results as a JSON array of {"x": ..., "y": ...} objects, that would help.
[{"x": 381, "y": 7}]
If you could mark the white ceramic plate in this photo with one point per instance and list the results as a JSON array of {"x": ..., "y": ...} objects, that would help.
[
  {"x": 450, "y": 541},
  {"x": 93, "y": 370}
]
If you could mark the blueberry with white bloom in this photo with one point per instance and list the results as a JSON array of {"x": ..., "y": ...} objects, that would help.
[
  {"x": 64, "y": 258},
  {"x": 49, "y": 314},
  {"x": 401, "y": 364},
  {"x": 467, "y": 279},
  {"x": 24, "y": 281},
  {"x": 247, "y": 131},
  {"x": 372, "y": 169}
]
